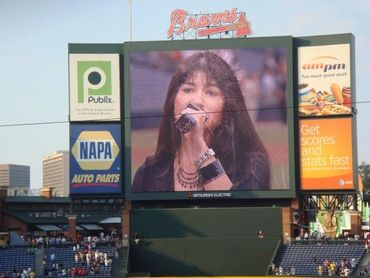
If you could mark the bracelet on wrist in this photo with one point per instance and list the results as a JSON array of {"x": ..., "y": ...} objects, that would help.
[
  {"x": 203, "y": 157},
  {"x": 211, "y": 172}
]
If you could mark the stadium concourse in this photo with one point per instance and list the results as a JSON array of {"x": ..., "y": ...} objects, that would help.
[
  {"x": 171, "y": 240},
  {"x": 36, "y": 238}
]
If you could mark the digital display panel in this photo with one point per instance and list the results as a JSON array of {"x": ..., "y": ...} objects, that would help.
[
  {"x": 326, "y": 154},
  {"x": 210, "y": 121},
  {"x": 95, "y": 160}
]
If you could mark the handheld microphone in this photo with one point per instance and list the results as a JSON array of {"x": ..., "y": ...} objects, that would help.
[{"x": 186, "y": 121}]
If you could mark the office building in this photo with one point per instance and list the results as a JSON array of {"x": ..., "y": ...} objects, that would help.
[
  {"x": 55, "y": 173},
  {"x": 12, "y": 176}
]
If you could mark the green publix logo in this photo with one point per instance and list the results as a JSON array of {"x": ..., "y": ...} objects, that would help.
[
  {"x": 94, "y": 81},
  {"x": 99, "y": 99}
]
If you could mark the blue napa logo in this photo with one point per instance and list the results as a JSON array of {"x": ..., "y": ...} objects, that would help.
[
  {"x": 102, "y": 150},
  {"x": 95, "y": 150}
]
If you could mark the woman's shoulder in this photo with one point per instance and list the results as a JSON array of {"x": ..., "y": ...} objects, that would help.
[
  {"x": 152, "y": 177},
  {"x": 138, "y": 182}
]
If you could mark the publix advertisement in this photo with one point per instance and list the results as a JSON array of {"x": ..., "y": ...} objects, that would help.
[
  {"x": 94, "y": 87},
  {"x": 324, "y": 80},
  {"x": 95, "y": 160}
]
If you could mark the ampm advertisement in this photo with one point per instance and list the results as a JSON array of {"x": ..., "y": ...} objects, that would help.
[
  {"x": 326, "y": 154},
  {"x": 94, "y": 87},
  {"x": 95, "y": 159},
  {"x": 324, "y": 77}
]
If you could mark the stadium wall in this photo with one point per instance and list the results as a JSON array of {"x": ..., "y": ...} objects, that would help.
[{"x": 204, "y": 241}]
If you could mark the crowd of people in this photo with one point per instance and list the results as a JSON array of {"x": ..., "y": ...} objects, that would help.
[
  {"x": 325, "y": 268},
  {"x": 20, "y": 273},
  {"x": 342, "y": 268},
  {"x": 57, "y": 239},
  {"x": 44, "y": 241},
  {"x": 87, "y": 258}
]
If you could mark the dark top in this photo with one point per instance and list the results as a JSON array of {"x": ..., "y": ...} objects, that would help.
[{"x": 160, "y": 177}]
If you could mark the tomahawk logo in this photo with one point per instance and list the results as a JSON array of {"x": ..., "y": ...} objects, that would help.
[{"x": 94, "y": 81}]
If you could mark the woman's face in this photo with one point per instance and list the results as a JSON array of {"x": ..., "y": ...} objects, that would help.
[{"x": 204, "y": 93}]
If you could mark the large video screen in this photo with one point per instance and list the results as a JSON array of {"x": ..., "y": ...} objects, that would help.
[{"x": 209, "y": 121}]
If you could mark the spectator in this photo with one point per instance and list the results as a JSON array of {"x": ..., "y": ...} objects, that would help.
[
  {"x": 363, "y": 271},
  {"x": 281, "y": 270},
  {"x": 314, "y": 259},
  {"x": 52, "y": 258},
  {"x": 319, "y": 270},
  {"x": 73, "y": 272},
  {"x": 306, "y": 235},
  {"x": 366, "y": 245},
  {"x": 260, "y": 234},
  {"x": 326, "y": 263},
  {"x": 82, "y": 272},
  {"x": 88, "y": 258},
  {"x": 352, "y": 263},
  {"x": 106, "y": 261},
  {"x": 332, "y": 268}
]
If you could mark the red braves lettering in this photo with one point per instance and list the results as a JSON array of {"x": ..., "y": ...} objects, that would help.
[{"x": 181, "y": 22}]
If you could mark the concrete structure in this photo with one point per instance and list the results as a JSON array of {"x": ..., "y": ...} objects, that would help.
[
  {"x": 55, "y": 168},
  {"x": 14, "y": 176}
]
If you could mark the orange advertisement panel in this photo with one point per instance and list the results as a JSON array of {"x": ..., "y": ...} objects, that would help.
[{"x": 326, "y": 154}]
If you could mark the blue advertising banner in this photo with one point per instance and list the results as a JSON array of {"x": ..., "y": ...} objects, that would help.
[{"x": 95, "y": 166}]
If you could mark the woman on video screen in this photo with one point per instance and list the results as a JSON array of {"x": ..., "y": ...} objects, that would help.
[{"x": 206, "y": 138}]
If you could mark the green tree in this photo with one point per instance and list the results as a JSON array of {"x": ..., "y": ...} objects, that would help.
[{"x": 364, "y": 171}]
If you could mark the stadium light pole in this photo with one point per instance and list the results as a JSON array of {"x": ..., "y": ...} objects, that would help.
[{"x": 130, "y": 19}]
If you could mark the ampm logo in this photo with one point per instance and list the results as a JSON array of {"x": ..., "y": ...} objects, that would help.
[
  {"x": 324, "y": 63},
  {"x": 95, "y": 150},
  {"x": 94, "y": 81}
]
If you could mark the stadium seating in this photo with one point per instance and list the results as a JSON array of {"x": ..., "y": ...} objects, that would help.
[
  {"x": 368, "y": 268},
  {"x": 15, "y": 258},
  {"x": 305, "y": 257},
  {"x": 64, "y": 255}
]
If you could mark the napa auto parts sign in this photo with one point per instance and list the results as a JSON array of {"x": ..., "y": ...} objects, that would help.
[
  {"x": 209, "y": 24},
  {"x": 95, "y": 159}
]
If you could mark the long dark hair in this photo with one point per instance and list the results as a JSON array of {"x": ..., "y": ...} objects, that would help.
[{"x": 235, "y": 140}]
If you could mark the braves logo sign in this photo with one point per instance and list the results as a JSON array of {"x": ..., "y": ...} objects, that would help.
[{"x": 211, "y": 24}]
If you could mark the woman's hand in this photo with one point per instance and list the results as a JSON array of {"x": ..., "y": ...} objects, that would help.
[{"x": 191, "y": 123}]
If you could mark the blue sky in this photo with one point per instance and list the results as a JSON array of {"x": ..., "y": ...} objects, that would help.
[{"x": 34, "y": 56}]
